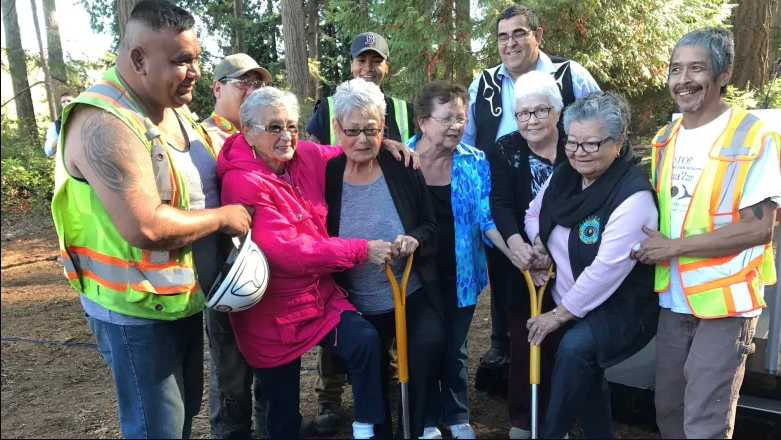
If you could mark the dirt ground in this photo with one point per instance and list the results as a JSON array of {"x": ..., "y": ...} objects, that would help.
[{"x": 66, "y": 391}]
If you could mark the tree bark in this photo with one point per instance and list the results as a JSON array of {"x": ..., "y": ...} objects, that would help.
[
  {"x": 313, "y": 34},
  {"x": 17, "y": 64},
  {"x": 295, "y": 48},
  {"x": 752, "y": 27},
  {"x": 44, "y": 63},
  {"x": 238, "y": 27},
  {"x": 57, "y": 69},
  {"x": 270, "y": 12},
  {"x": 464, "y": 72},
  {"x": 124, "y": 8}
]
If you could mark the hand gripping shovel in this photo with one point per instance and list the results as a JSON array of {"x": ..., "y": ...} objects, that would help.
[
  {"x": 535, "y": 301},
  {"x": 399, "y": 305}
]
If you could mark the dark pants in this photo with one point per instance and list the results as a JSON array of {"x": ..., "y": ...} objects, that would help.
[
  {"x": 357, "y": 343},
  {"x": 449, "y": 397},
  {"x": 519, "y": 390},
  {"x": 158, "y": 374},
  {"x": 700, "y": 365},
  {"x": 231, "y": 386},
  {"x": 498, "y": 269},
  {"x": 578, "y": 388},
  {"x": 425, "y": 331}
]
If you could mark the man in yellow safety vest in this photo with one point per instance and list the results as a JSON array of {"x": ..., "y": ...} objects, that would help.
[
  {"x": 716, "y": 173},
  {"x": 137, "y": 210}
]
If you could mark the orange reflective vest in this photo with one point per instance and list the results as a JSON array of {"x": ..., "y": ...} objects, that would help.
[{"x": 721, "y": 286}]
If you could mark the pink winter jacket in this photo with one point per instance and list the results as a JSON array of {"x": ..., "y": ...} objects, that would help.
[{"x": 302, "y": 302}]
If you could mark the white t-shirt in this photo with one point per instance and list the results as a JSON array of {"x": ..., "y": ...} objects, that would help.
[{"x": 691, "y": 155}]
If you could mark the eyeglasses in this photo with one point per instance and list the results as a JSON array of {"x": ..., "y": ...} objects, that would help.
[
  {"x": 245, "y": 84},
  {"x": 450, "y": 121},
  {"x": 540, "y": 113},
  {"x": 369, "y": 132},
  {"x": 277, "y": 129},
  {"x": 588, "y": 147},
  {"x": 518, "y": 35}
]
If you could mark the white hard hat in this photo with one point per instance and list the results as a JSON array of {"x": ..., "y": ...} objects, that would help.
[{"x": 243, "y": 279}]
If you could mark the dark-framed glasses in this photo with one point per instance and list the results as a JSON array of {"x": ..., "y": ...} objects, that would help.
[
  {"x": 589, "y": 147},
  {"x": 540, "y": 113},
  {"x": 245, "y": 84},
  {"x": 517, "y": 35}
]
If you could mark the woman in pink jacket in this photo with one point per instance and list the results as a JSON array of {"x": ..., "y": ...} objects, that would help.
[{"x": 267, "y": 168}]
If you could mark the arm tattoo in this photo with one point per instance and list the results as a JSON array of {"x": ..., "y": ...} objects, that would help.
[
  {"x": 112, "y": 158},
  {"x": 758, "y": 211}
]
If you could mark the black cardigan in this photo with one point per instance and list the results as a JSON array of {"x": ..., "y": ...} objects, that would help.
[
  {"x": 511, "y": 191},
  {"x": 413, "y": 204},
  {"x": 510, "y": 196}
]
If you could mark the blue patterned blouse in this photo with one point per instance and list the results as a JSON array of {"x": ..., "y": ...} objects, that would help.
[{"x": 470, "y": 183}]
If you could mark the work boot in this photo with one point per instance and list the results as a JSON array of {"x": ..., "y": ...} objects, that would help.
[
  {"x": 327, "y": 420},
  {"x": 308, "y": 429},
  {"x": 493, "y": 357}
]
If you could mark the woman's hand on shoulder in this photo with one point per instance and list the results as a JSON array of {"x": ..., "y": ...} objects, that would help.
[{"x": 399, "y": 150}]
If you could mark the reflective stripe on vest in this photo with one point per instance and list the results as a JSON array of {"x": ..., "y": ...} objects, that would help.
[
  {"x": 217, "y": 122},
  {"x": 723, "y": 286},
  {"x": 118, "y": 274},
  {"x": 400, "y": 115},
  {"x": 401, "y": 118},
  {"x": 331, "y": 134}
]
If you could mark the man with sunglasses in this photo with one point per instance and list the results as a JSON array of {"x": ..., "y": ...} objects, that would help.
[
  {"x": 231, "y": 386},
  {"x": 235, "y": 77},
  {"x": 492, "y": 115}
]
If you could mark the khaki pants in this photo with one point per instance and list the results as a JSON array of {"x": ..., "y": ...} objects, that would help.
[
  {"x": 700, "y": 367},
  {"x": 329, "y": 385}
]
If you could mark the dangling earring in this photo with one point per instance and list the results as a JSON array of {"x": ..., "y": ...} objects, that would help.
[{"x": 254, "y": 154}]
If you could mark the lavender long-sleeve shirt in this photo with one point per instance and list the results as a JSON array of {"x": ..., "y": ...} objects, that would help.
[{"x": 598, "y": 281}]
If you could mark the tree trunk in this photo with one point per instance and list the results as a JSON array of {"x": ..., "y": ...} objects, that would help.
[
  {"x": 270, "y": 12},
  {"x": 751, "y": 23},
  {"x": 294, "y": 36},
  {"x": 464, "y": 72},
  {"x": 44, "y": 63},
  {"x": 17, "y": 64},
  {"x": 238, "y": 27},
  {"x": 313, "y": 34},
  {"x": 124, "y": 8},
  {"x": 54, "y": 47}
]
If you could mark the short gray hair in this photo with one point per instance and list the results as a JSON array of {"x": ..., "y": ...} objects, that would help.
[
  {"x": 266, "y": 97},
  {"x": 542, "y": 84},
  {"x": 358, "y": 94},
  {"x": 609, "y": 108},
  {"x": 719, "y": 43}
]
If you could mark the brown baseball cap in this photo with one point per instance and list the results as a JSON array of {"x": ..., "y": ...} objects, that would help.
[{"x": 233, "y": 66}]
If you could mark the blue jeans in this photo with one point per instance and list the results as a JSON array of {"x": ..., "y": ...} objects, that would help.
[
  {"x": 359, "y": 345},
  {"x": 578, "y": 388},
  {"x": 158, "y": 374},
  {"x": 449, "y": 396}
]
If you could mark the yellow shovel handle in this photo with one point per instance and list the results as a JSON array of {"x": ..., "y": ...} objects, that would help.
[
  {"x": 399, "y": 306},
  {"x": 535, "y": 304}
]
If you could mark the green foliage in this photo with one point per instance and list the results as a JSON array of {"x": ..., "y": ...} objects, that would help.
[{"x": 27, "y": 186}]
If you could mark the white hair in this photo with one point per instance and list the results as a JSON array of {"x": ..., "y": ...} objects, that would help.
[
  {"x": 364, "y": 96},
  {"x": 266, "y": 97},
  {"x": 538, "y": 84}
]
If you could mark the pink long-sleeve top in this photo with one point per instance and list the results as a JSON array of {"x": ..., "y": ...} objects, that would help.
[
  {"x": 598, "y": 281},
  {"x": 302, "y": 303}
]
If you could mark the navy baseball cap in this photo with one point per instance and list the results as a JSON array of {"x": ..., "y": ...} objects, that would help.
[{"x": 369, "y": 41}]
